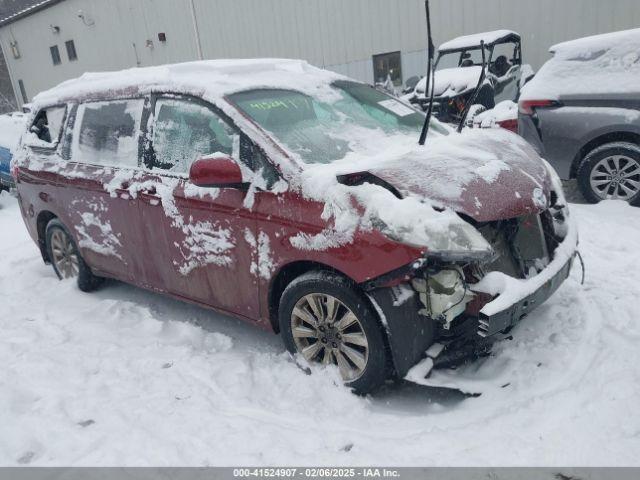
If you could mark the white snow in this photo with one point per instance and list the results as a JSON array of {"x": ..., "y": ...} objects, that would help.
[
  {"x": 12, "y": 126},
  {"x": 605, "y": 65},
  {"x": 262, "y": 263},
  {"x": 211, "y": 79},
  {"x": 469, "y": 41},
  {"x": 505, "y": 110},
  {"x": 128, "y": 377},
  {"x": 450, "y": 82},
  {"x": 95, "y": 232}
]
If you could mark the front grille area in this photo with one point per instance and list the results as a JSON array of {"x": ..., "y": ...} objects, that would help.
[{"x": 523, "y": 246}]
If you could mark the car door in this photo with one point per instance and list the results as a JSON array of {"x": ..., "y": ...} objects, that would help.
[
  {"x": 102, "y": 151},
  {"x": 201, "y": 237}
]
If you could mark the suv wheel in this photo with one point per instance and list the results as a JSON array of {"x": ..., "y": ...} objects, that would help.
[
  {"x": 66, "y": 259},
  {"x": 323, "y": 318},
  {"x": 611, "y": 171}
]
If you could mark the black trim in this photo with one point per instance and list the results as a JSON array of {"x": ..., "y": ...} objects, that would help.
[{"x": 409, "y": 334}]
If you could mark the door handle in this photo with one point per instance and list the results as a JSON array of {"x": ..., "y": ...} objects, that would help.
[
  {"x": 123, "y": 193},
  {"x": 150, "y": 198}
]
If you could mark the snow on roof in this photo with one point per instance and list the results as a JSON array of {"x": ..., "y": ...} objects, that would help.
[
  {"x": 35, "y": 7},
  {"x": 601, "y": 64},
  {"x": 469, "y": 41},
  {"x": 210, "y": 79}
]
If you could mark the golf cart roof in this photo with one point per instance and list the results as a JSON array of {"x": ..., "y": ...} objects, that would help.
[{"x": 471, "y": 41}]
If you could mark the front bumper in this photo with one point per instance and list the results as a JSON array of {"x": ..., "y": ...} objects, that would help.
[
  {"x": 505, "y": 319},
  {"x": 411, "y": 333}
]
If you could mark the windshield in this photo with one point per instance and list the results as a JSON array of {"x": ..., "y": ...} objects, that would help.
[
  {"x": 465, "y": 58},
  {"x": 323, "y": 132}
]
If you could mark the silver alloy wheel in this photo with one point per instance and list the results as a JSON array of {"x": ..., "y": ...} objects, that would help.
[
  {"x": 64, "y": 256},
  {"x": 325, "y": 330},
  {"x": 616, "y": 177}
]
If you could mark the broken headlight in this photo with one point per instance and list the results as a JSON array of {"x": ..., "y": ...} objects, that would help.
[
  {"x": 460, "y": 242},
  {"x": 444, "y": 294}
]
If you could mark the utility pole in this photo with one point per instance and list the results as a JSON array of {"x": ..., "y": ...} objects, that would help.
[{"x": 196, "y": 31}]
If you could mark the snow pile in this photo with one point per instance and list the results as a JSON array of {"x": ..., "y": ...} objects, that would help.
[
  {"x": 603, "y": 64},
  {"x": 12, "y": 126},
  {"x": 450, "y": 82},
  {"x": 128, "y": 377},
  {"x": 211, "y": 79},
  {"x": 506, "y": 110}
]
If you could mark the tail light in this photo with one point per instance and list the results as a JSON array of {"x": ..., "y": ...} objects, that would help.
[
  {"x": 528, "y": 107},
  {"x": 511, "y": 124}
]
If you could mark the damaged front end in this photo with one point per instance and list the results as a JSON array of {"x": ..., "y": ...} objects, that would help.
[{"x": 463, "y": 301}]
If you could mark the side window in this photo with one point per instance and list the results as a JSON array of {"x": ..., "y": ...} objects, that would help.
[
  {"x": 107, "y": 133},
  {"x": 253, "y": 158},
  {"x": 505, "y": 55},
  {"x": 47, "y": 126},
  {"x": 185, "y": 131}
]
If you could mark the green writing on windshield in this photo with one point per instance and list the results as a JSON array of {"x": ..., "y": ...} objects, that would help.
[{"x": 271, "y": 104}]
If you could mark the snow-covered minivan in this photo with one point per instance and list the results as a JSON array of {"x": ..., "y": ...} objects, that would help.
[{"x": 299, "y": 200}]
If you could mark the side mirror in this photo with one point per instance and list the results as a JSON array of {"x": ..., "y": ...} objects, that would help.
[{"x": 218, "y": 171}]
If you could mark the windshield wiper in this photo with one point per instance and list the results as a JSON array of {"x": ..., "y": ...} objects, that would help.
[
  {"x": 473, "y": 98},
  {"x": 430, "y": 76}
]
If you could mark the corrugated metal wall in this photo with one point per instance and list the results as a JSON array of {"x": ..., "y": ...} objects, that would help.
[
  {"x": 541, "y": 23},
  {"x": 337, "y": 34}
]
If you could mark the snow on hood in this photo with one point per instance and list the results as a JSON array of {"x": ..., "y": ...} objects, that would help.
[
  {"x": 450, "y": 82},
  {"x": 486, "y": 177},
  {"x": 601, "y": 64},
  {"x": 483, "y": 174}
]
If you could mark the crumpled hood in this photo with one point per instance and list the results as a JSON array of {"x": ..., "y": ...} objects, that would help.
[
  {"x": 450, "y": 82},
  {"x": 484, "y": 175}
]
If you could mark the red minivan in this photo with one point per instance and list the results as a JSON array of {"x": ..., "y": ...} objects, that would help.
[{"x": 299, "y": 200}]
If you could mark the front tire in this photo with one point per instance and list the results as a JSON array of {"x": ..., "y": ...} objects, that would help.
[
  {"x": 325, "y": 319},
  {"x": 66, "y": 259},
  {"x": 611, "y": 171}
]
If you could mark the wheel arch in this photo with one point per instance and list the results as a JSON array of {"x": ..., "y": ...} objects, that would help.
[
  {"x": 603, "y": 139},
  {"x": 285, "y": 275},
  {"x": 44, "y": 217}
]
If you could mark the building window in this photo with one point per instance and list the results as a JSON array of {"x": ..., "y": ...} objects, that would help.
[
  {"x": 71, "y": 50},
  {"x": 23, "y": 92},
  {"x": 55, "y": 55},
  {"x": 387, "y": 66}
]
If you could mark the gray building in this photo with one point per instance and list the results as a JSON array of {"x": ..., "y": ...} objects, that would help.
[{"x": 366, "y": 39}]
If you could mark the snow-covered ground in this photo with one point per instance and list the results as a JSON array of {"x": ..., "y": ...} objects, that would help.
[{"x": 123, "y": 376}]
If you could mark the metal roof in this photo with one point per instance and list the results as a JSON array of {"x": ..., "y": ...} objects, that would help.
[{"x": 36, "y": 7}]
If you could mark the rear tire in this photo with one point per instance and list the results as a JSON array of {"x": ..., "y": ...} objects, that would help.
[
  {"x": 66, "y": 259},
  {"x": 338, "y": 311},
  {"x": 611, "y": 171}
]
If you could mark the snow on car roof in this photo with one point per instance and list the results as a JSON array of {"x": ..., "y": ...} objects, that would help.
[
  {"x": 469, "y": 41},
  {"x": 606, "y": 64},
  {"x": 211, "y": 79}
]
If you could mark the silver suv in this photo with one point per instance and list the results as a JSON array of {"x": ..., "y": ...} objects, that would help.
[{"x": 582, "y": 113}]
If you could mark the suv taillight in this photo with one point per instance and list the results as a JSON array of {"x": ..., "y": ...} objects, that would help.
[{"x": 528, "y": 107}]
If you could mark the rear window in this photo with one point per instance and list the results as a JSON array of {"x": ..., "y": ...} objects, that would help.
[{"x": 107, "y": 133}]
